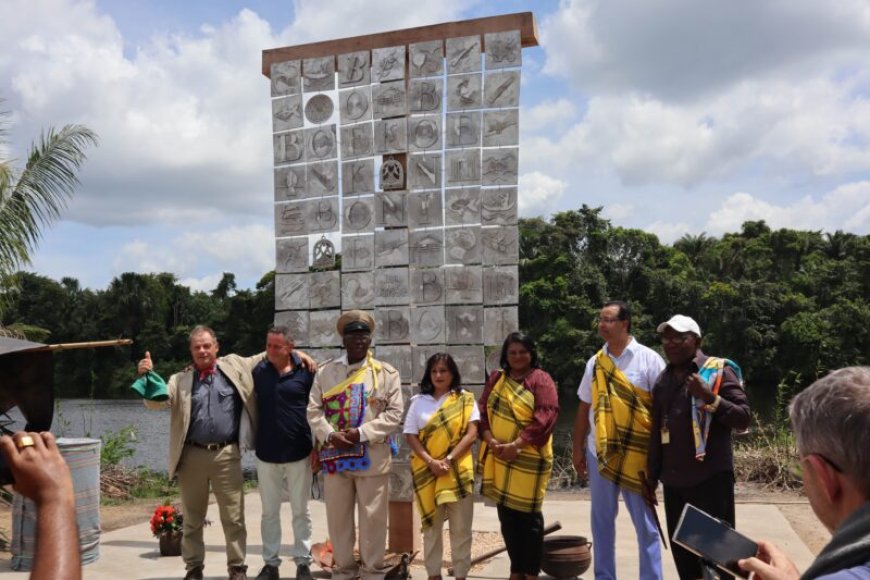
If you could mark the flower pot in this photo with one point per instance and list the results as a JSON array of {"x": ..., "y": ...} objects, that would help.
[
  {"x": 170, "y": 543},
  {"x": 566, "y": 556}
]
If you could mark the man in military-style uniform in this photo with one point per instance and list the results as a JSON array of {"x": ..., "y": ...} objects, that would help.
[{"x": 354, "y": 408}]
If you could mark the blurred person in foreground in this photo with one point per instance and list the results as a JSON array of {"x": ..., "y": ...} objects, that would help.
[
  {"x": 42, "y": 475},
  {"x": 440, "y": 427},
  {"x": 698, "y": 401},
  {"x": 831, "y": 421},
  {"x": 518, "y": 411}
]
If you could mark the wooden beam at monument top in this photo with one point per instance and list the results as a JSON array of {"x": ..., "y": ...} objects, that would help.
[{"x": 522, "y": 21}]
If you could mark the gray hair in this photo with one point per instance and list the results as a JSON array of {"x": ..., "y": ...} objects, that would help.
[
  {"x": 831, "y": 417},
  {"x": 199, "y": 329},
  {"x": 283, "y": 330}
]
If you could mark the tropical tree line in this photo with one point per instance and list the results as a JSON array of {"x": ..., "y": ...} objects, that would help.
[{"x": 787, "y": 305}]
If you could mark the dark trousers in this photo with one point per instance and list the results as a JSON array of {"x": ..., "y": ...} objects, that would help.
[
  {"x": 523, "y": 534},
  {"x": 715, "y": 496}
]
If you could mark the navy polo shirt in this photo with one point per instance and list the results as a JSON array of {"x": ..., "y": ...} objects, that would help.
[{"x": 283, "y": 434}]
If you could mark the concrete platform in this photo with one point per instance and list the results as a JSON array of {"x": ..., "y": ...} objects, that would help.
[{"x": 131, "y": 553}]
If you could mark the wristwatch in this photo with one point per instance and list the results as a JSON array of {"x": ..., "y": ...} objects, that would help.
[
  {"x": 449, "y": 458},
  {"x": 711, "y": 408}
]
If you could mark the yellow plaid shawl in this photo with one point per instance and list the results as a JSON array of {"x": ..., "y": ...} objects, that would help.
[
  {"x": 519, "y": 485},
  {"x": 623, "y": 418},
  {"x": 447, "y": 426}
]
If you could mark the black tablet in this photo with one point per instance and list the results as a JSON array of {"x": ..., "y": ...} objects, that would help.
[{"x": 713, "y": 540}]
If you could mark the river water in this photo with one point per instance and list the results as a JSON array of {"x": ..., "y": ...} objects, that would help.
[{"x": 102, "y": 418}]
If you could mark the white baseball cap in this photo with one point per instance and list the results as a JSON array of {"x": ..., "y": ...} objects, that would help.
[{"x": 680, "y": 323}]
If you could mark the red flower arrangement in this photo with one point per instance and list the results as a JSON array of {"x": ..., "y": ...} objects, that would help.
[{"x": 166, "y": 518}]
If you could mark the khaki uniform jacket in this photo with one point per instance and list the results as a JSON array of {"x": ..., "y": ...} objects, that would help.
[
  {"x": 237, "y": 370},
  {"x": 384, "y": 409}
]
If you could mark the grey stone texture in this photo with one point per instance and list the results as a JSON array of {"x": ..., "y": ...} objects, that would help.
[
  {"x": 290, "y": 219},
  {"x": 318, "y": 74},
  {"x": 503, "y": 49},
  {"x": 498, "y": 322},
  {"x": 463, "y": 54},
  {"x": 291, "y": 255},
  {"x": 500, "y": 166},
  {"x": 500, "y": 285},
  {"x": 426, "y": 248},
  {"x": 424, "y": 171},
  {"x": 320, "y": 143},
  {"x": 357, "y": 141},
  {"x": 463, "y": 167},
  {"x": 425, "y": 96},
  {"x": 389, "y": 100},
  {"x": 289, "y": 147},
  {"x": 424, "y": 209},
  {"x": 463, "y": 245},
  {"x": 286, "y": 78},
  {"x": 319, "y": 109},
  {"x": 391, "y": 209},
  {"x": 357, "y": 253},
  {"x": 501, "y": 89},
  {"x": 399, "y": 356},
  {"x": 323, "y": 215},
  {"x": 388, "y": 64},
  {"x": 392, "y": 325},
  {"x": 287, "y": 113},
  {"x": 290, "y": 183},
  {"x": 500, "y": 245},
  {"x": 322, "y": 178},
  {"x": 464, "y": 285},
  {"x": 462, "y": 206},
  {"x": 321, "y": 328},
  {"x": 424, "y": 133},
  {"x": 392, "y": 286},
  {"x": 359, "y": 215},
  {"x": 464, "y": 324},
  {"x": 464, "y": 92},
  {"x": 428, "y": 287},
  {"x": 357, "y": 177},
  {"x": 428, "y": 325},
  {"x": 427, "y": 58},
  {"x": 470, "y": 361},
  {"x": 297, "y": 322},
  {"x": 498, "y": 206},
  {"x": 501, "y": 128},
  {"x": 324, "y": 289},
  {"x": 462, "y": 129},
  {"x": 354, "y": 68},
  {"x": 391, "y": 135},
  {"x": 358, "y": 290},
  {"x": 355, "y": 105},
  {"x": 291, "y": 291}
]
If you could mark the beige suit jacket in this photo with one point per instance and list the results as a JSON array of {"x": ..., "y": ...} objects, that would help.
[
  {"x": 237, "y": 370},
  {"x": 383, "y": 415}
]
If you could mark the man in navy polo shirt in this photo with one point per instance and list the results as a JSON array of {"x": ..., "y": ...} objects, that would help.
[{"x": 283, "y": 448}]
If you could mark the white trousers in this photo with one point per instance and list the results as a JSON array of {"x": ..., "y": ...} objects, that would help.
[
  {"x": 274, "y": 478},
  {"x": 459, "y": 514}
]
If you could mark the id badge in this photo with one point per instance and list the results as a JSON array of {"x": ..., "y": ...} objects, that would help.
[{"x": 666, "y": 436}]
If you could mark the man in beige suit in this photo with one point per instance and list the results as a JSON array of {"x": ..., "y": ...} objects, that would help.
[
  {"x": 212, "y": 418},
  {"x": 355, "y": 404}
]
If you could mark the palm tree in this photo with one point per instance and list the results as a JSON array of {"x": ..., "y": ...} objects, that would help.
[{"x": 33, "y": 197}]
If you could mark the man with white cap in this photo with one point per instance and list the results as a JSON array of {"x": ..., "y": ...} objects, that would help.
[
  {"x": 354, "y": 407},
  {"x": 697, "y": 402}
]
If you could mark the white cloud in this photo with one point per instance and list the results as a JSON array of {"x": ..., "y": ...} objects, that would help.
[
  {"x": 668, "y": 232},
  {"x": 203, "y": 284},
  {"x": 845, "y": 208},
  {"x": 548, "y": 115},
  {"x": 538, "y": 193},
  {"x": 619, "y": 211}
]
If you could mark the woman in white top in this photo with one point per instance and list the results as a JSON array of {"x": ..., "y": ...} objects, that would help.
[{"x": 440, "y": 427}]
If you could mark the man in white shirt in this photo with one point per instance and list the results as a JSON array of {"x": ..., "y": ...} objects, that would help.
[{"x": 626, "y": 363}]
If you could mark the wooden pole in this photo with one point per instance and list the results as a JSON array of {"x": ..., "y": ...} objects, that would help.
[
  {"x": 80, "y": 345},
  {"x": 555, "y": 527}
]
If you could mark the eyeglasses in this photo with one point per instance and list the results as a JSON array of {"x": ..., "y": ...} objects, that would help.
[
  {"x": 678, "y": 339},
  {"x": 798, "y": 469}
]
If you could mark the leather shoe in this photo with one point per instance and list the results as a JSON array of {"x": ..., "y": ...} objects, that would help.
[
  {"x": 194, "y": 574},
  {"x": 268, "y": 572},
  {"x": 238, "y": 573},
  {"x": 303, "y": 572}
]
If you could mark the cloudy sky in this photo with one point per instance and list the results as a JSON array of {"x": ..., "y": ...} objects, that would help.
[{"x": 677, "y": 116}]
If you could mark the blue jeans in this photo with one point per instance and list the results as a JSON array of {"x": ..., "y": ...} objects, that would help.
[{"x": 605, "y": 506}]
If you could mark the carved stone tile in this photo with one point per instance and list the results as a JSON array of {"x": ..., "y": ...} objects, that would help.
[
  {"x": 290, "y": 219},
  {"x": 424, "y": 171},
  {"x": 424, "y": 133},
  {"x": 359, "y": 215},
  {"x": 286, "y": 78},
  {"x": 355, "y": 105},
  {"x": 323, "y": 215},
  {"x": 391, "y": 136},
  {"x": 291, "y": 291},
  {"x": 426, "y": 248},
  {"x": 463, "y": 166},
  {"x": 424, "y": 209},
  {"x": 324, "y": 289},
  {"x": 420, "y": 356},
  {"x": 501, "y": 128},
  {"x": 464, "y": 324},
  {"x": 290, "y": 183},
  {"x": 391, "y": 209},
  {"x": 357, "y": 253},
  {"x": 391, "y": 248},
  {"x": 500, "y": 285},
  {"x": 464, "y": 92},
  {"x": 463, "y": 245},
  {"x": 358, "y": 291},
  {"x": 399, "y": 356},
  {"x": 503, "y": 49},
  {"x": 289, "y": 147},
  {"x": 392, "y": 325},
  {"x": 493, "y": 357},
  {"x": 388, "y": 64},
  {"x": 297, "y": 322},
  {"x": 498, "y": 323},
  {"x": 463, "y": 54},
  {"x": 427, "y": 287},
  {"x": 287, "y": 113},
  {"x": 498, "y": 206},
  {"x": 464, "y": 285},
  {"x": 428, "y": 325},
  {"x": 358, "y": 177},
  {"x": 320, "y": 143},
  {"x": 401, "y": 481},
  {"x": 427, "y": 58},
  {"x": 463, "y": 129},
  {"x": 500, "y": 166},
  {"x": 319, "y": 109},
  {"x": 408, "y": 392},
  {"x": 357, "y": 140},
  {"x": 392, "y": 286},
  {"x": 321, "y": 328},
  {"x": 323, "y": 355},
  {"x": 394, "y": 172},
  {"x": 322, "y": 179},
  {"x": 463, "y": 206},
  {"x": 501, "y": 89},
  {"x": 291, "y": 255},
  {"x": 425, "y": 95},
  {"x": 353, "y": 68},
  {"x": 500, "y": 245},
  {"x": 470, "y": 361},
  {"x": 318, "y": 74},
  {"x": 389, "y": 100}
]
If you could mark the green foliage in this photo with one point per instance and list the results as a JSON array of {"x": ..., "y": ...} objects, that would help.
[{"x": 117, "y": 446}]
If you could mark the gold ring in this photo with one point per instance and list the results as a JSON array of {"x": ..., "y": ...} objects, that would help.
[{"x": 25, "y": 441}]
